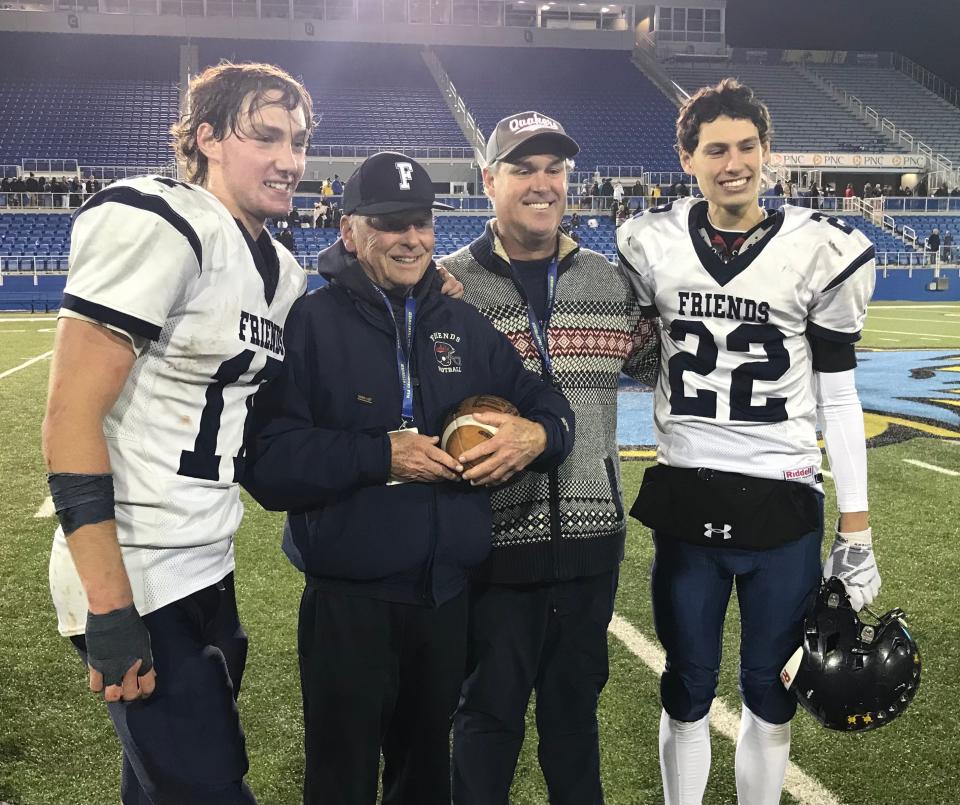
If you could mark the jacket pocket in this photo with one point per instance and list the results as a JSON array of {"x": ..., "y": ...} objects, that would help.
[
  {"x": 377, "y": 532},
  {"x": 614, "y": 486}
]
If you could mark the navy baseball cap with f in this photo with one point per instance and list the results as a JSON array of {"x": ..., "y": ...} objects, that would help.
[
  {"x": 389, "y": 182},
  {"x": 528, "y": 133}
]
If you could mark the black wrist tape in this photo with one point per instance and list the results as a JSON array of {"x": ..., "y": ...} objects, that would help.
[
  {"x": 81, "y": 498},
  {"x": 115, "y": 641}
]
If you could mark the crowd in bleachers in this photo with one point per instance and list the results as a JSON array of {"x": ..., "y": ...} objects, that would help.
[{"x": 56, "y": 192}]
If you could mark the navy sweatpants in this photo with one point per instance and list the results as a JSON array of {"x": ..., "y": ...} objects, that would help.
[
  {"x": 551, "y": 637},
  {"x": 184, "y": 744}
]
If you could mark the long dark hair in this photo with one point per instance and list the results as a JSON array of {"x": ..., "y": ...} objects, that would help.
[{"x": 217, "y": 96}]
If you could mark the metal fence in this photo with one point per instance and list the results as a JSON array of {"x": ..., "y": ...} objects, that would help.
[{"x": 364, "y": 151}]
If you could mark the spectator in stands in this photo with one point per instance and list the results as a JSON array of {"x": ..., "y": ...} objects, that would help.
[
  {"x": 614, "y": 209},
  {"x": 941, "y": 191},
  {"x": 623, "y": 213},
  {"x": 4, "y": 189},
  {"x": 933, "y": 244},
  {"x": 327, "y": 187},
  {"x": 383, "y": 617},
  {"x": 606, "y": 193},
  {"x": 541, "y": 605},
  {"x": 293, "y": 218},
  {"x": 285, "y": 236},
  {"x": 586, "y": 188},
  {"x": 618, "y": 192},
  {"x": 170, "y": 287},
  {"x": 19, "y": 188},
  {"x": 574, "y": 222},
  {"x": 336, "y": 185},
  {"x": 955, "y": 191},
  {"x": 814, "y": 195},
  {"x": 595, "y": 200},
  {"x": 64, "y": 193},
  {"x": 905, "y": 191},
  {"x": 867, "y": 190},
  {"x": 947, "y": 248},
  {"x": 76, "y": 192},
  {"x": 848, "y": 191},
  {"x": 319, "y": 213},
  {"x": 655, "y": 194},
  {"x": 32, "y": 187}
]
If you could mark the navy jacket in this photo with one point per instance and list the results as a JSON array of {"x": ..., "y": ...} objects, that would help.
[{"x": 318, "y": 446}]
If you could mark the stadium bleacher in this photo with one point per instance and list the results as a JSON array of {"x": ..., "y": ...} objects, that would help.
[
  {"x": 805, "y": 118},
  {"x": 603, "y": 101},
  {"x": 903, "y": 101},
  {"x": 384, "y": 95},
  {"x": 363, "y": 94}
]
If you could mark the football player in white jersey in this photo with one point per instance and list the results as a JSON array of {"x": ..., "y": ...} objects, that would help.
[
  {"x": 172, "y": 317},
  {"x": 759, "y": 314}
]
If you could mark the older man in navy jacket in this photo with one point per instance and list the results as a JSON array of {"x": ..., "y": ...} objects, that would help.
[{"x": 382, "y": 522}]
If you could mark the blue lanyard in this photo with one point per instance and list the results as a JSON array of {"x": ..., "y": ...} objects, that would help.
[
  {"x": 538, "y": 329},
  {"x": 404, "y": 354}
]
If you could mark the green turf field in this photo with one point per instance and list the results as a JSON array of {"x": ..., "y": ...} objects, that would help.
[{"x": 56, "y": 745}]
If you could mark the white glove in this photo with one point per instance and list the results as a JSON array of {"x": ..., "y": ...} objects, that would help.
[{"x": 851, "y": 560}]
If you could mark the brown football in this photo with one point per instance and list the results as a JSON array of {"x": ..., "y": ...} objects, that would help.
[{"x": 461, "y": 431}]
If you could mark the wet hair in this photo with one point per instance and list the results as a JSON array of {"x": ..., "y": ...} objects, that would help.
[
  {"x": 729, "y": 98},
  {"x": 218, "y": 96}
]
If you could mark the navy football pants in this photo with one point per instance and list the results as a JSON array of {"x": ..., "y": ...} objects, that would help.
[
  {"x": 691, "y": 587},
  {"x": 551, "y": 637},
  {"x": 184, "y": 745}
]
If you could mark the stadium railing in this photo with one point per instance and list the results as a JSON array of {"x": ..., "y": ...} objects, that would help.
[
  {"x": 363, "y": 151},
  {"x": 920, "y": 203},
  {"x": 35, "y": 264},
  {"x": 40, "y": 201}
]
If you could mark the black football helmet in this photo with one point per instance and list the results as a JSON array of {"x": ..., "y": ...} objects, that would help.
[{"x": 850, "y": 675}]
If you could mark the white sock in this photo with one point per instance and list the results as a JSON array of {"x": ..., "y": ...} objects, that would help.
[
  {"x": 763, "y": 750},
  {"x": 684, "y": 759}
]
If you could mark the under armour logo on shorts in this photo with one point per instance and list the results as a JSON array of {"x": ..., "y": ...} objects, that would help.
[
  {"x": 710, "y": 532},
  {"x": 405, "y": 169}
]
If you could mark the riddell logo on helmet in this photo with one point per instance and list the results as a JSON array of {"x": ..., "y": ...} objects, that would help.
[{"x": 535, "y": 121}]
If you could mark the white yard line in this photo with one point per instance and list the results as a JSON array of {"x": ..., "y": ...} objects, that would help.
[
  {"x": 901, "y": 332},
  {"x": 876, "y": 316},
  {"x": 827, "y": 474},
  {"x": 25, "y": 364},
  {"x": 895, "y": 340},
  {"x": 32, "y": 318},
  {"x": 4, "y": 331},
  {"x": 927, "y": 306},
  {"x": 801, "y": 786},
  {"x": 934, "y": 467},
  {"x": 46, "y": 508}
]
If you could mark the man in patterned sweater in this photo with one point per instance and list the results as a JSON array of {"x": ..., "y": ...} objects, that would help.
[{"x": 541, "y": 605}]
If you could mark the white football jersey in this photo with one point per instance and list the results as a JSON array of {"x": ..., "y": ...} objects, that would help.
[
  {"x": 166, "y": 264},
  {"x": 735, "y": 391}
]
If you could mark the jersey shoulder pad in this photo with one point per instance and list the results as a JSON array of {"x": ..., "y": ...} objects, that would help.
[
  {"x": 839, "y": 248},
  {"x": 189, "y": 210}
]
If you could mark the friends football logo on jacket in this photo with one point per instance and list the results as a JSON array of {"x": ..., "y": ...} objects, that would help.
[{"x": 446, "y": 354}]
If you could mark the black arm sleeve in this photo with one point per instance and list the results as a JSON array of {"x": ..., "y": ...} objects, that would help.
[{"x": 831, "y": 356}]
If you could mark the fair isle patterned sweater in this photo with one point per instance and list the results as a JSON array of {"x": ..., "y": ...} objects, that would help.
[{"x": 568, "y": 523}]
